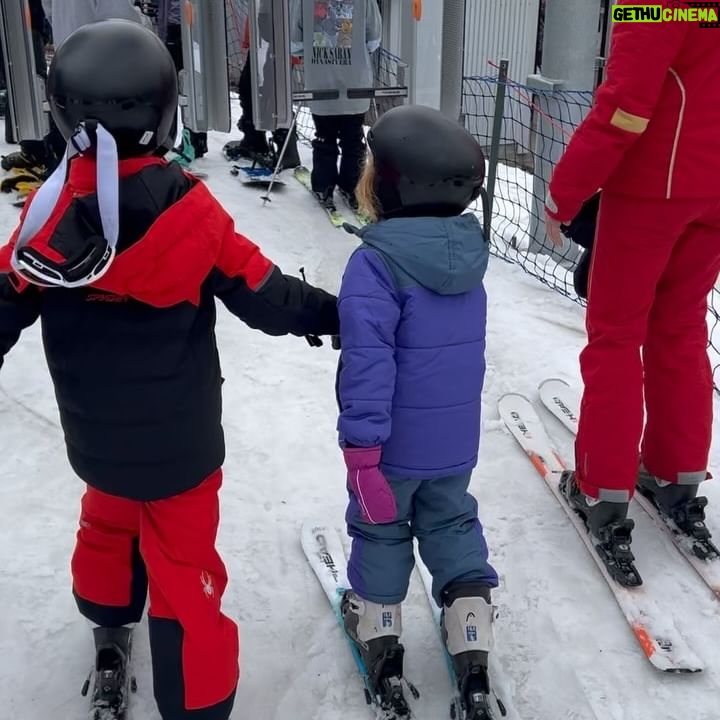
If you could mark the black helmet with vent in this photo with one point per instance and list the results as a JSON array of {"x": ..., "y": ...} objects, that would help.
[
  {"x": 425, "y": 163},
  {"x": 120, "y": 75}
]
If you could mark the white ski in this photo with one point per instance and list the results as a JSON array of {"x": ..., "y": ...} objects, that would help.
[
  {"x": 324, "y": 550},
  {"x": 456, "y": 707},
  {"x": 655, "y": 631},
  {"x": 563, "y": 401}
]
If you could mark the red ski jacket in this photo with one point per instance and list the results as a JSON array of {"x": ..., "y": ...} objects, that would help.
[{"x": 654, "y": 131}]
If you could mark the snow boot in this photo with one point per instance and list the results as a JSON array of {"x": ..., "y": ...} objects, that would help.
[
  {"x": 111, "y": 677},
  {"x": 681, "y": 504},
  {"x": 609, "y": 527},
  {"x": 467, "y": 629},
  {"x": 375, "y": 629}
]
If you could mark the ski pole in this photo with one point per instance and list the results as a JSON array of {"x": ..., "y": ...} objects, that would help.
[{"x": 266, "y": 197}]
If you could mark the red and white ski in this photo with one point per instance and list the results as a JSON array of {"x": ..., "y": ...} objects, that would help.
[
  {"x": 563, "y": 401},
  {"x": 653, "y": 627}
]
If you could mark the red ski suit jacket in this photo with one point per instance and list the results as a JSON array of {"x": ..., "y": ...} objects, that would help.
[{"x": 654, "y": 130}]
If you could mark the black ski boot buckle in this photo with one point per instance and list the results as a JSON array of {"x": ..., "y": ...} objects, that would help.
[
  {"x": 614, "y": 549},
  {"x": 387, "y": 678},
  {"x": 690, "y": 519}
]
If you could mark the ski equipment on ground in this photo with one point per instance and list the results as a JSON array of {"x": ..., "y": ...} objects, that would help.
[
  {"x": 655, "y": 631},
  {"x": 479, "y": 706},
  {"x": 563, "y": 401},
  {"x": 324, "y": 551}
]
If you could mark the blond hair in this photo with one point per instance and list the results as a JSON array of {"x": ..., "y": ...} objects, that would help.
[{"x": 365, "y": 191}]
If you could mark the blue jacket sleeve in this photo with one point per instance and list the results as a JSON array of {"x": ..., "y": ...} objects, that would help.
[{"x": 369, "y": 308}]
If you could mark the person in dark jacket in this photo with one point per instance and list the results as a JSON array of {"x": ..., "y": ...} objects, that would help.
[
  {"x": 122, "y": 256},
  {"x": 412, "y": 327}
]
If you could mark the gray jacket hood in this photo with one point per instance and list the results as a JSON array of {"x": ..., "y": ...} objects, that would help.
[{"x": 446, "y": 255}]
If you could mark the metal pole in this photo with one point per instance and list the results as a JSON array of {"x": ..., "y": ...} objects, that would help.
[
  {"x": 452, "y": 58},
  {"x": 281, "y": 157},
  {"x": 571, "y": 41},
  {"x": 497, "y": 130}
]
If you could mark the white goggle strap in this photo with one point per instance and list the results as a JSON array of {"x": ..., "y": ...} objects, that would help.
[{"x": 46, "y": 198}]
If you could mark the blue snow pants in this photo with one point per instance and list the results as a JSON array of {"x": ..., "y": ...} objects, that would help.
[{"x": 443, "y": 516}]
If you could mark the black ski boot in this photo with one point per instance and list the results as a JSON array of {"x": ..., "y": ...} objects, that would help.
[
  {"x": 375, "y": 629},
  {"x": 681, "y": 504},
  {"x": 111, "y": 677},
  {"x": 609, "y": 527},
  {"x": 466, "y": 622},
  {"x": 291, "y": 158},
  {"x": 350, "y": 199},
  {"x": 326, "y": 199}
]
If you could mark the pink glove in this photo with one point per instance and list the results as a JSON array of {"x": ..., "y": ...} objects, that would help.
[{"x": 368, "y": 484}]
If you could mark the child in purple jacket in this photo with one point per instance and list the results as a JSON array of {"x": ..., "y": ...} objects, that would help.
[{"x": 412, "y": 323}]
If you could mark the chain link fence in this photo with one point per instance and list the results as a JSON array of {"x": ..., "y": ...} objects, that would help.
[{"x": 524, "y": 130}]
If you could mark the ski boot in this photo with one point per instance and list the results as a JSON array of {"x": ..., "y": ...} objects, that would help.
[
  {"x": 291, "y": 158},
  {"x": 112, "y": 680},
  {"x": 609, "y": 527},
  {"x": 350, "y": 199},
  {"x": 466, "y": 625},
  {"x": 375, "y": 629},
  {"x": 681, "y": 504},
  {"x": 326, "y": 200}
]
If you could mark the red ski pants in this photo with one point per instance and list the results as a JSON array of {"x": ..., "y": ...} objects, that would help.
[
  {"x": 654, "y": 265},
  {"x": 167, "y": 548}
]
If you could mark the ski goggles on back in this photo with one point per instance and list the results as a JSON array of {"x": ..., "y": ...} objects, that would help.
[
  {"x": 83, "y": 260},
  {"x": 84, "y": 267}
]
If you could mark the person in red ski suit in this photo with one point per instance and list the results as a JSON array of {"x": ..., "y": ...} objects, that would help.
[
  {"x": 122, "y": 256},
  {"x": 651, "y": 143}
]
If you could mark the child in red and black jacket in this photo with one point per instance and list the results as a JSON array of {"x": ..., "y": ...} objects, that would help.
[{"x": 122, "y": 255}]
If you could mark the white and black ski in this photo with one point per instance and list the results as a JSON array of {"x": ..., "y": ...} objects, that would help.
[
  {"x": 495, "y": 708},
  {"x": 563, "y": 401},
  {"x": 654, "y": 629},
  {"x": 324, "y": 551}
]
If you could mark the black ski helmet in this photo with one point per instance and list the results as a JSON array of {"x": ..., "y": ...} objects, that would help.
[
  {"x": 121, "y": 75},
  {"x": 425, "y": 163}
]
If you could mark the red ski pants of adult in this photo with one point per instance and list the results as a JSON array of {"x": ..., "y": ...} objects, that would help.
[
  {"x": 654, "y": 265},
  {"x": 127, "y": 551}
]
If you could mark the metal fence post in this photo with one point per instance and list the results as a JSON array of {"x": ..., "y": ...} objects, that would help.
[{"x": 497, "y": 130}]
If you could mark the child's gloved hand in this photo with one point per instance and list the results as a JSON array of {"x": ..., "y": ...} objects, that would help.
[{"x": 368, "y": 484}]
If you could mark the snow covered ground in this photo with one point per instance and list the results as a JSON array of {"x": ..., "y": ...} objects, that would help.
[{"x": 559, "y": 635}]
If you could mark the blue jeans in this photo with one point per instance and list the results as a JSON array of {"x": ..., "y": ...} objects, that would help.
[{"x": 442, "y": 515}]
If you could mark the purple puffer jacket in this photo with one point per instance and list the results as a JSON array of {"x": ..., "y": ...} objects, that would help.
[{"x": 412, "y": 324}]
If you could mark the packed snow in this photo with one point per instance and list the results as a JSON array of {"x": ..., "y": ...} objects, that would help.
[{"x": 565, "y": 649}]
